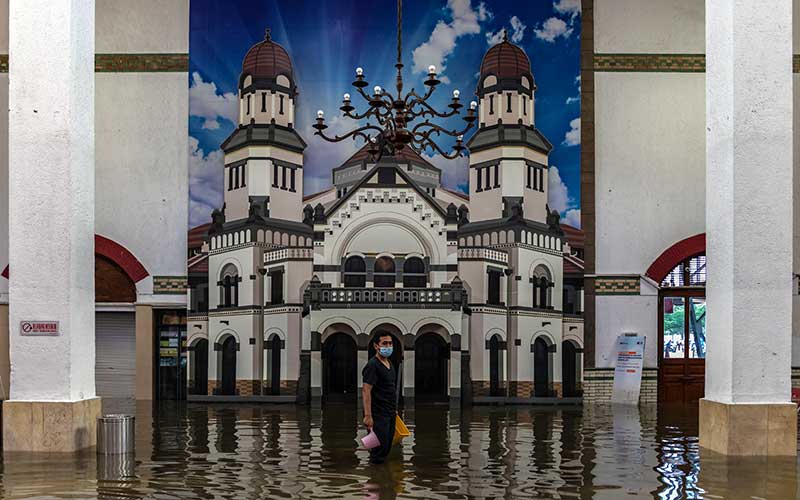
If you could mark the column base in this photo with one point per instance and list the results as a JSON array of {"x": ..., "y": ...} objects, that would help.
[
  {"x": 744, "y": 429},
  {"x": 50, "y": 426}
]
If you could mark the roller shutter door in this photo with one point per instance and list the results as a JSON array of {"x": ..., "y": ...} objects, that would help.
[{"x": 115, "y": 347}]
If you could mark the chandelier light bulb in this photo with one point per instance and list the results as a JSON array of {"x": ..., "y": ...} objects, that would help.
[{"x": 394, "y": 121}]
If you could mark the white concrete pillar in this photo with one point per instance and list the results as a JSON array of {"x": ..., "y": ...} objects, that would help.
[
  {"x": 51, "y": 230},
  {"x": 749, "y": 229}
]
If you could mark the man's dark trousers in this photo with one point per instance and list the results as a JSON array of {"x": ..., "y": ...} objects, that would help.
[{"x": 383, "y": 427}]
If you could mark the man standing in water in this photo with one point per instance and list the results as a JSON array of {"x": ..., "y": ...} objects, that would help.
[{"x": 378, "y": 392}]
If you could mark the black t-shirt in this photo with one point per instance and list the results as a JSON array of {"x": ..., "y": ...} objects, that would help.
[{"x": 384, "y": 382}]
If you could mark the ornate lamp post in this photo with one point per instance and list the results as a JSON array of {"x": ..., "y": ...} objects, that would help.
[{"x": 390, "y": 118}]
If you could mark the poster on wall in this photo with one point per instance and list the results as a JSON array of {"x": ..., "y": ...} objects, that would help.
[{"x": 628, "y": 371}]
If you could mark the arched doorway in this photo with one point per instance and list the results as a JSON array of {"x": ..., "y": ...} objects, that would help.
[
  {"x": 682, "y": 332},
  {"x": 541, "y": 369},
  {"x": 495, "y": 365},
  {"x": 569, "y": 369},
  {"x": 430, "y": 368},
  {"x": 339, "y": 367},
  {"x": 227, "y": 385},
  {"x": 198, "y": 359},
  {"x": 272, "y": 370}
]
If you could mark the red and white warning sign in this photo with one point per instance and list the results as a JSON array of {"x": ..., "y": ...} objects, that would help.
[{"x": 39, "y": 328}]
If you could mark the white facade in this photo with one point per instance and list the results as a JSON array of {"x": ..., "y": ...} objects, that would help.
[{"x": 468, "y": 299}]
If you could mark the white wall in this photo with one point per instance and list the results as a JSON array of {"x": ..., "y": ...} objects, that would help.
[
  {"x": 141, "y": 171},
  {"x": 649, "y": 166},
  {"x": 143, "y": 26},
  {"x": 649, "y": 26}
]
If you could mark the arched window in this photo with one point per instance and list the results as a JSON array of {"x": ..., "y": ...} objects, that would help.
[
  {"x": 229, "y": 286},
  {"x": 414, "y": 275},
  {"x": 384, "y": 272},
  {"x": 355, "y": 272},
  {"x": 689, "y": 272},
  {"x": 542, "y": 282}
]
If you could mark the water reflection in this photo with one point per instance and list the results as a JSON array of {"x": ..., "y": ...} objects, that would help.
[{"x": 251, "y": 451}]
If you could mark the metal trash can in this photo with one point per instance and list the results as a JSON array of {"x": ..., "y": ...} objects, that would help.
[{"x": 115, "y": 434}]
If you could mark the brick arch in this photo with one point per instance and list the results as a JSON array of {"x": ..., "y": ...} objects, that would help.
[
  {"x": 116, "y": 253},
  {"x": 673, "y": 255}
]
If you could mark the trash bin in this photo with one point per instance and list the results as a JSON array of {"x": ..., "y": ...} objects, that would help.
[{"x": 115, "y": 434}]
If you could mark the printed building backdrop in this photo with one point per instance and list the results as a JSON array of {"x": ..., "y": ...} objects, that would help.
[{"x": 327, "y": 40}]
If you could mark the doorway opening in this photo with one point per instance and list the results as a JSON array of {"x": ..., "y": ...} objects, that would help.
[
  {"x": 541, "y": 369},
  {"x": 272, "y": 370},
  {"x": 339, "y": 368},
  {"x": 198, "y": 359},
  {"x": 227, "y": 385},
  {"x": 431, "y": 355}
]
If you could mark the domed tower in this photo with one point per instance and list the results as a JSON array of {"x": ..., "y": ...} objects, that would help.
[
  {"x": 508, "y": 154},
  {"x": 264, "y": 155},
  {"x": 267, "y": 89}
]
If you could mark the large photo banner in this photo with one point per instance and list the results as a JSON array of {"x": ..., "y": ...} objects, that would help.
[{"x": 322, "y": 52}]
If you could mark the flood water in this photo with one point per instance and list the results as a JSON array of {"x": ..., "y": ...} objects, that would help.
[{"x": 249, "y": 451}]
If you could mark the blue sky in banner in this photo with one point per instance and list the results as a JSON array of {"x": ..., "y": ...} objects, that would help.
[{"x": 327, "y": 40}]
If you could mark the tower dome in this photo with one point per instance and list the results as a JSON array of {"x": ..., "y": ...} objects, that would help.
[
  {"x": 510, "y": 67},
  {"x": 268, "y": 65}
]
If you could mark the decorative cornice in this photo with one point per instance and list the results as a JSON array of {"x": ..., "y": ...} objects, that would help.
[
  {"x": 656, "y": 63},
  {"x": 617, "y": 285},
  {"x": 660, "y": 63},
  {"x": 141, "y": 63},
  {"x": 130, "y": 63},
  {"x": 170, "y": 285}
]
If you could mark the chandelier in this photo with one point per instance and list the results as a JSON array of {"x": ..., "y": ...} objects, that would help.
[{"x": 390, "y": 118}]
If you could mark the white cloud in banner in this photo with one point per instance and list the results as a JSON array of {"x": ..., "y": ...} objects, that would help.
[
  {"x": 557, "y": 193},
  {"x": 442, "y": 41},
  {"x": 517, "y": 32},
  {"x": 572, "y": 217},
  {"x": 551, "y": 29},
  {"x": 321, "y": 157},
  {"x": 517, "y": 29},
  {"x": 569, "y": 7},
  {"x": 206, "y": 102},
  {"x": 455, "y": 172},
  {"x": 205, "y": 182},
  {"x": 559, "y": 199},
  {"x": 573, "y": 135},
  {"x": 577, "y": 98}
]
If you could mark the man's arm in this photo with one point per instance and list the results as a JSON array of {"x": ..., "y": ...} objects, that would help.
[{"x": 366, "y": 396}]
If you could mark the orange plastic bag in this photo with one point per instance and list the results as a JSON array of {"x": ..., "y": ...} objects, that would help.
[{"x": 400, "y": 430}]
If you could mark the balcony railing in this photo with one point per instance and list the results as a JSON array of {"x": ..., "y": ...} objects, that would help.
[
  {"x": 449, "y": 296},
  {"x": 387, "y": 295}
]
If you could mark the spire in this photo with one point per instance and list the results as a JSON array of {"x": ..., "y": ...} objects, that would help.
[
  {"x": 505, "y": 35},
  {"x": 268, "y": 34}
]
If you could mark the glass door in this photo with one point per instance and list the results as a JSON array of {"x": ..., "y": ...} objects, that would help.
[
  {"x": 682, "y": 346},
  {"x": 171, "y": 354}
]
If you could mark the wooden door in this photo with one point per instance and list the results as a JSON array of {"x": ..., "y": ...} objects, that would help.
[{"x": 682, "y": 346}]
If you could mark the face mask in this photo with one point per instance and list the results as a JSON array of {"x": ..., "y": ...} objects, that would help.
[{"x": 386, "y": 351}]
